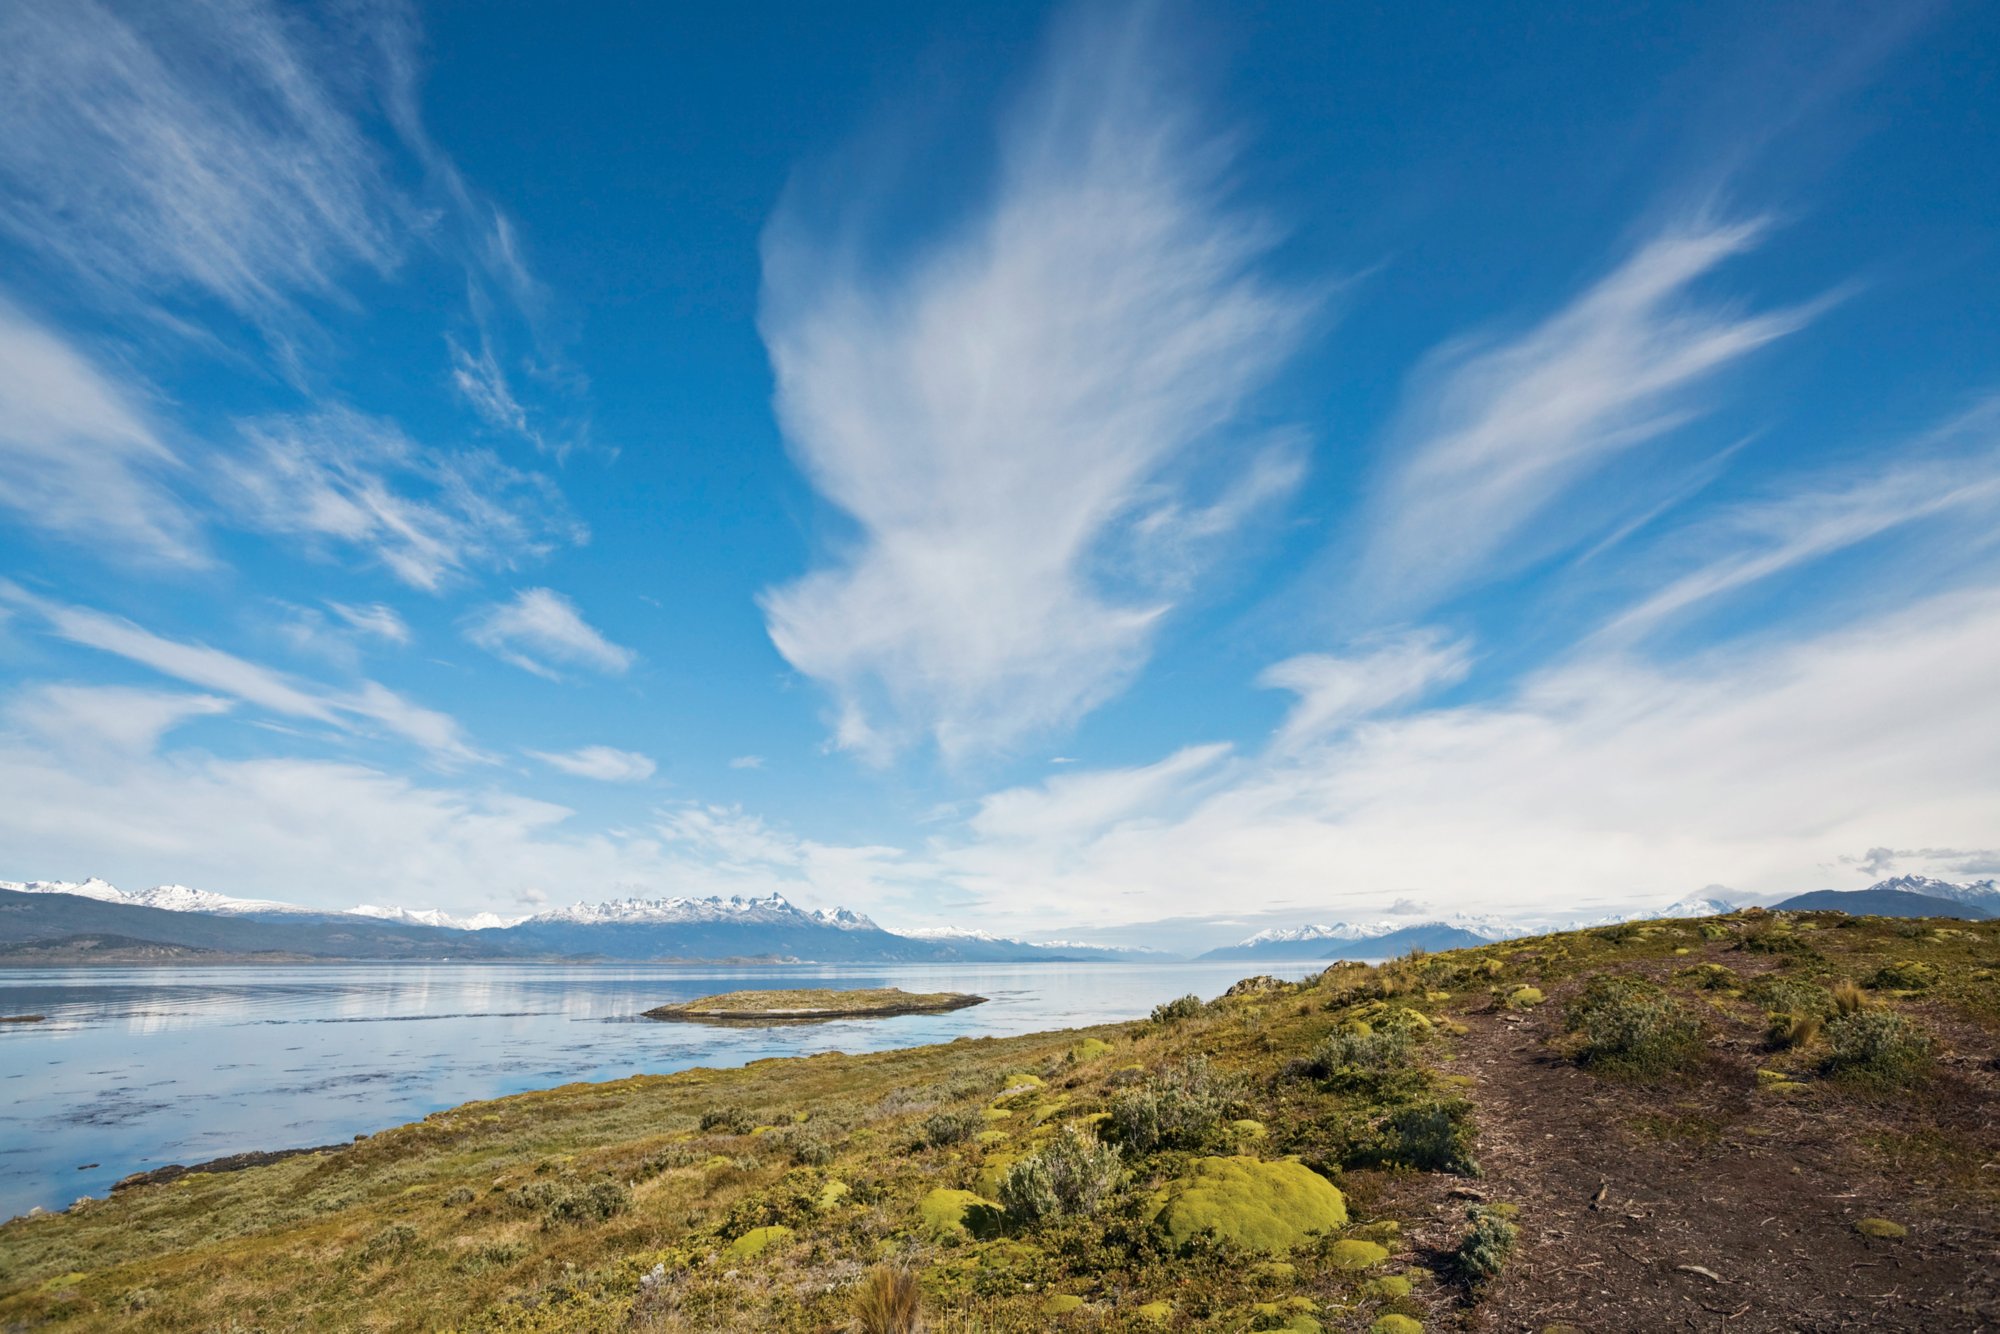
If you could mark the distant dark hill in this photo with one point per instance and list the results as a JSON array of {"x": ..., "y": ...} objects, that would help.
[
  {"x": 80, "y": 928},
  {"x": 1430, "y": 938},
  {"x": 1880, "y": 903},
  {"x": 51, "y": 917}
]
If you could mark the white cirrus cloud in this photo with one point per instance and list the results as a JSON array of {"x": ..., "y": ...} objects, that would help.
[
  {"x": 352, "y": 709},
  {"x": 1497, "y": 432},
  {"x": 1020, "y": 402},
  {"x": 480, "y": 381},
  {"x": 124, "y": 719},
  {"x": 542, "y": 631},
  {"x": 78, "y": 457},
  {"x": 606, "y": 764},
  {"x": 376, "y": 620},
  {"x": 1334, "y": 691},
  {"x": 1945, "y": 486},
  {"x": 336, "y": 478},
  {"x": 213, "y": 148}
]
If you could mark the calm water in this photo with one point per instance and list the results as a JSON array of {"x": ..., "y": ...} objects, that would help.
[{"x": 139, "y": 1067}]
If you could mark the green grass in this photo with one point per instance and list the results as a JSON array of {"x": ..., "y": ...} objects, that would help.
[{"x": 765, "y": 1197}]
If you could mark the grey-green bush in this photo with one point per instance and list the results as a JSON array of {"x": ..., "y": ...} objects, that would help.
[
  {"x": 1433, "y": 1136},
  {"x": 573, "y": 1201},
  {"x": 1174, "y": 1011},
  {"x": 950, "y": 1127},
  {"x": 1630, "y": 1026},
  {"x": 1073, "y": 1175},
  {"x": 1486, "y": 1248},
  {"x": 1877, "y": 1047},
  {"x": 1183, "y": 1107}
]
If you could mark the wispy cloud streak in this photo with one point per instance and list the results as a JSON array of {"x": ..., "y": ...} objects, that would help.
[
  {"x": 351, "y": 710},
  {"x": 194, "y": 150},
  {"x": 78, "y": 457},
  {"x": 1496, "y": 434},
  {"x": 999, "y": 412},
  {"x": 541, "y": 631},
  {"x": 429, "y": 516}
]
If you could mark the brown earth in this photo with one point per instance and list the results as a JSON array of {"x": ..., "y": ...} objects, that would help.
[{"x": 1710, "y": 1204}]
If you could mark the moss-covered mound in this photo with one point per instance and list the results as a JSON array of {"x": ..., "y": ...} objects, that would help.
[
  {"x": 958, "y": 1213},
  {"x": 1266, "y": 1207}
]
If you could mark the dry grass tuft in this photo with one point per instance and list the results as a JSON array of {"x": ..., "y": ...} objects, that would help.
[
  {"x": 1848, "y": 997},
  {"x": 889, "y": 1302},
  {"x": 1793, "y": 1030}
]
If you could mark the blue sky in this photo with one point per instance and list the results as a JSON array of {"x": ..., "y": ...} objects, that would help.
[{"x": 1057, "y": 469}]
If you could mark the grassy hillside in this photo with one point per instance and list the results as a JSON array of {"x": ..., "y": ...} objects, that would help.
[{"x": 1755, "y": 1122}]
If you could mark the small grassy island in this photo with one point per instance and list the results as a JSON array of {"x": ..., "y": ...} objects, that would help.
[
  {"x": 807, "y": 1005},
  {"x": 1760, "y": 1122}
]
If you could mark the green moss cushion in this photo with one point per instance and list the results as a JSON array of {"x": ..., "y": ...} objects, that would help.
[
  {"x": 758, "y": 1240},
  {"x": 959, "y": 1213},
  {"x": 1267, "y": 1207},
  {"x": 1354, "y": 1254}
]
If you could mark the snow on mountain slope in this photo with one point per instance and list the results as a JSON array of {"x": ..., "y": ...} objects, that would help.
[
  {"x": 774, "y": 907},
  {"x": 484, "y": 921},
  {"x": 1979, "y": 893},
  {"x": 1493, "y": 928},
  {"x": 170, "y": 898}
]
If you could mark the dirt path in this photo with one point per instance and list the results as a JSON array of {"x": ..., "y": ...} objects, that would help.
[{"x": 1709, "y": 1206}]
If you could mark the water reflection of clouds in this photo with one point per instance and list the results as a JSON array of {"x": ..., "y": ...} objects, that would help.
[{"x": 147, "y": 1067}]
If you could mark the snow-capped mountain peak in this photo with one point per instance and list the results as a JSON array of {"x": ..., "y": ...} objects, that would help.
[
  {"x": 1493, "y": 928},
  {"x": 1979, "y": 893},
  {"x": 481, "y": 921},
  {"x": 773, "y": 907},
  {"x": 170, "y": 898}
]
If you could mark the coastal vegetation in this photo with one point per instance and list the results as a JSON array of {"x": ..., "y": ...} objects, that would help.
[
  {"x": 804, "y": 1004},
  {"x": 1405, "y": 1147}
]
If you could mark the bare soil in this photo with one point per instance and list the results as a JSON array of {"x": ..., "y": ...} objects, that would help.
[{"x": 1709, "y": 1204}]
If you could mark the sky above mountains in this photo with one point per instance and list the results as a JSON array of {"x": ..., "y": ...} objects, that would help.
[{"x": 1050, "y": 470}]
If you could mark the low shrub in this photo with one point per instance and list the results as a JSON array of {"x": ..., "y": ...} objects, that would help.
[
  {"x": 1486, "y": 1248},
  {"x": 673, "y": 1155},
  {"x": 728, "y": 1120},
  {"x": 889, "y": 1301},
  {"x": 1876, "y": 1047},
  {"x": 1176, "y": 1011},
  {"x": 1431, "y": 1136},
  {"x": 1708, "y": 977},
  {"x": 807, "y": 1145},
  {"x": 485, "y": 1258},
  {"x": 1905, "y": 975},
  {"x": 942, "y": 1129},
  {"x": 1628, "y": 1025},
  {"x": 569, "y": 1200},
  {"x": 1378, "y": 1064},
  {"x": 1072, "y": 1176},
  {"x": 1787, "y": 995},
  {"x": 390, "y": 1242},
  {"x": 1183, "y": 1107},
  {"x": 1769, "y": 936}
]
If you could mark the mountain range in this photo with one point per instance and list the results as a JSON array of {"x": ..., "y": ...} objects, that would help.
[
  {"x": 51, "y": 920},
  {"x": 93, "y": 917}
]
